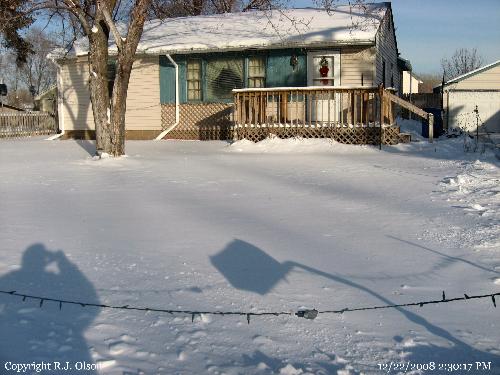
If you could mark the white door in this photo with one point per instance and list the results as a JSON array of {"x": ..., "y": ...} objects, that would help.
[{"x": 323, "y": 70}]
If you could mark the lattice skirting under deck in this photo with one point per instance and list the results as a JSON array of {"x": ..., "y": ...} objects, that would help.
[{"x": 212, "y": 121}]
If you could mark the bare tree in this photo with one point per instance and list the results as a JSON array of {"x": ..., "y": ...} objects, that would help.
[
  {"x": 38, "y": 71},
  {"x": 100, "y": 21},
  {"x": 463, "y": 61},
  {"x": 429, "y": 81}
]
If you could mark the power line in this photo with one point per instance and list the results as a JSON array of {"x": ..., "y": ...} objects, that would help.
[{"x": 304, "y": 313}]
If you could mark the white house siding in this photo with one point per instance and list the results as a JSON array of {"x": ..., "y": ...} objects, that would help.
[
  {"x": 75, "y": 98},
  {"x": 485, "y": 80},
  {"x": 354, "y": 62},
  {"x": 143, "y": 98},
  {"x": 386, "y": 51},
  {"x": 463, "y": 103},
  {"x": 481, "y": 89},
  {"x": 410, "y": 83}
]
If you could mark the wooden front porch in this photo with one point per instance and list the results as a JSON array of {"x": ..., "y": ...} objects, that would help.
[{"x": 355, "y": 115}]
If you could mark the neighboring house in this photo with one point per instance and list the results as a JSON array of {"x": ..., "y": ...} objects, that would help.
[
  {"x": 5, "y": 108},
  {"x": 410, "y": 83},
  {"x": 217, "y": 53},
  {"x": 462, "y": 94},
  {"x": 46, "y": 101}
]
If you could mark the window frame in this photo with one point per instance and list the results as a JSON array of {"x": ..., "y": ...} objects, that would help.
[
  {"x": 249, "y": 77},
  {"x": 201, "y": 84}
]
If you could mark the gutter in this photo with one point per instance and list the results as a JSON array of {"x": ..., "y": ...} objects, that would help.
[
  {"x": 59, "y": 104},
  {"x": 177, "y": 112}
]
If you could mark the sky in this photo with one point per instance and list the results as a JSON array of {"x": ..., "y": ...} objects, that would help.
[{"x": 429, "y": 30}]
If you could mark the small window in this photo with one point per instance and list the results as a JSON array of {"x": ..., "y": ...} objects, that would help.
[
  {"x": 194, "y": 80},
  {"x": 256, "y": 72}
]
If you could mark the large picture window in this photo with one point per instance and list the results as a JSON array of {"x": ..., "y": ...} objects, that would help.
[
  {"x": 222, "y": 76},
  {"x": 256, "y": 72},
  {"x": 194, "y": 80}
]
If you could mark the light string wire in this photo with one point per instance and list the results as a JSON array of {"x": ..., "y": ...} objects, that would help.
[{"x": 303, "y": 313}]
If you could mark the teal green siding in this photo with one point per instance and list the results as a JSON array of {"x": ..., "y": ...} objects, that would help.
[
  {"x": 182, "y": 81},
  {"x": 279, "y": 72},
  {"x": 167, "y": 81}
]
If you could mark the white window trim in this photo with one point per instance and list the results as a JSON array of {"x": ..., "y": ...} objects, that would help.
[{"x": 336, "y": 66}]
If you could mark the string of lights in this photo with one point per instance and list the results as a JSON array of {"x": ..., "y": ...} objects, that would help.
[{"x": 303, "y": 313}]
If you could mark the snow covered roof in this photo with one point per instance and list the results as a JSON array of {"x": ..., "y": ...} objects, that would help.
[{"x": 259, "y": 30}]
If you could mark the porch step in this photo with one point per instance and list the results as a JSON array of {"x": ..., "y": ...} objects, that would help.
[{"x": 404, "y": 137}]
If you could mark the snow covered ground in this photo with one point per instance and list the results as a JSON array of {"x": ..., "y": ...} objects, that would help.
[{"x": 275, "y": 226}]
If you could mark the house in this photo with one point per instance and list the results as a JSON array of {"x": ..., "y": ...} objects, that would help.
[
  {"x": 186, "y": 68},
  {"x": 5, "y": 108},
  {"x": 477, "y": 89},
  {"x": 46, "y": 100},
  {"x": 407, "y": 79}
]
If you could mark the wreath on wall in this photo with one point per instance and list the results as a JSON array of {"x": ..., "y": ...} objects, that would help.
[{"x": 324, "y": 69}]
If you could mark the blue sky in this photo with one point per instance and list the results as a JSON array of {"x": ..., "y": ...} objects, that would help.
[{"x": 428, "y": 30}]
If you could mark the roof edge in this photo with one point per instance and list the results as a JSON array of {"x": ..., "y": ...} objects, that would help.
[{"x": 471, "y": 73}]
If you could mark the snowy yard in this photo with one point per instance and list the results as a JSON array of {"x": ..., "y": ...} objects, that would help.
[{"x": 277, "y": 226}]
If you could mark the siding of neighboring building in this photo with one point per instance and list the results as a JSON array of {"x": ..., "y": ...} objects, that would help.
[
  {"x": 356, "y": 66},
  {"x": 410, "y": 83},
  {"x": 5, "y": 109},
  {"x": 485, "y": 80},
  {"x": 480, "y": 89},
  {"x": 386, "y": 51},
  {"x": 143, "y": 99}
]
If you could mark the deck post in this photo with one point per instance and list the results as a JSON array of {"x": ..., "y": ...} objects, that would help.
[
  {"x": 430, "y": 118},
  {"x": 382, "y": 108}
]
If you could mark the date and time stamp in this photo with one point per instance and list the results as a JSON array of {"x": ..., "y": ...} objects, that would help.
[{"x": 438, "y": 367}]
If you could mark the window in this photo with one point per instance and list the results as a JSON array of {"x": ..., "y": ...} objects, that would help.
[
  {"x": 222, "y": 76},
  {"x": 256, "y": 72},
  {"x": 194, "y": 80}
]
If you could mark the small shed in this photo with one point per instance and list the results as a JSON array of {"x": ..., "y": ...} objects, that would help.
[
  {"x": 479, "y": 88},
  {"x": 47, "y": 100}
]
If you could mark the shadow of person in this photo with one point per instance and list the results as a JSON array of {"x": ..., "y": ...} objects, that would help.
[
  {"x": 50, "y": 333},
  {"x": 249, "y": 268}
]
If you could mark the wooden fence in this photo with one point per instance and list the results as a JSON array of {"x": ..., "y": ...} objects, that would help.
[{"x": 17, "y": 125}]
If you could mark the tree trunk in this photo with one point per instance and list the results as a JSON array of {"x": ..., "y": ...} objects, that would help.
[
  {"x": 99, "y": 95},
  {"x": 119, "y": 104},
  {"x": 109, "y": 115}
]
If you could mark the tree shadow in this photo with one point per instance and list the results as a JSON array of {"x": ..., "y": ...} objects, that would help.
[
  {"x": 249, "y": 268},
  {"x": 32, "y": 332},
  {"x": 76, "y": 98}
]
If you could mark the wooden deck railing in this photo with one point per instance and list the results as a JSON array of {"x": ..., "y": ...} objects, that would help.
[
  {"x": 14, "y": 125},
  {"x": 318, "y": 107},
  {"x": 307, "y": 106}
]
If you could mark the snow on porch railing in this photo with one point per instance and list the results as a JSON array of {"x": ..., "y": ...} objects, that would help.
[{"x": 14, "y": 125}]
